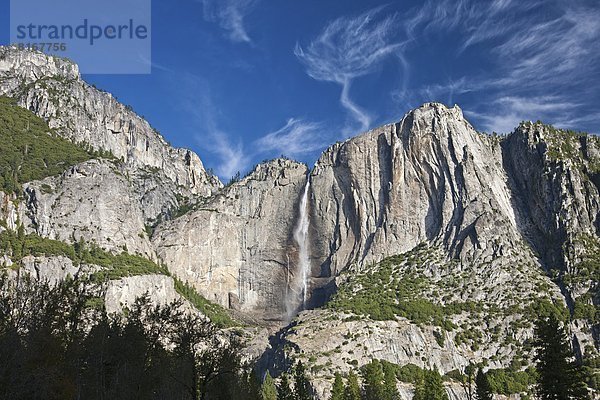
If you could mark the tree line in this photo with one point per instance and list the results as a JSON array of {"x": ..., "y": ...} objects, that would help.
[{"x": 58, "y": 343}]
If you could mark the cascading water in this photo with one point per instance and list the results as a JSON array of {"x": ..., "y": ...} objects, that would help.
[{"x": 298, "y": 293}]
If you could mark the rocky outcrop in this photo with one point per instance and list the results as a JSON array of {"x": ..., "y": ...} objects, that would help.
[
  {"x": 503, "y": 211},
  {"x": 12, "y": 212},
  {"x": 561, "y": 169},
  {"x": 52, "y": 270},
  {"x": 123, "y": 292},
  {"x": 430, "y": 177},
  {"x": 236, "y": 248},
  {"x": 52, "y": 88},
  {"x": 116, "y": 294},
  {"x": 92, "y": 201}
]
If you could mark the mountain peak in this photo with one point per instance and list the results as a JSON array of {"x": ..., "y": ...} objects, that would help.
[{"x": 31, "y": 65}]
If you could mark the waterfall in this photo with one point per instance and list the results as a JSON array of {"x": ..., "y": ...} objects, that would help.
[
  {"x": 298, "y": 293},
  {"x": 301, "y": 237}
]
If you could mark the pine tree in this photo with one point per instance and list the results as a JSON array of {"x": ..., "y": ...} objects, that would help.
[
  {"x": 252, "y": 385},
  {"x": 352, "y": 390},
  {"x": 466, "y": 381},
  {"x": 430, "y": 387},
  {"x": 337, "y": 391},
  {"x": 301, "y": 385},
  {"x": 559, "y": 377},
  {"x": 284, "y": 392},
  {"x": 483, "y": 389},
  {"x": 268, "y": 391},
  {"x": 372, "y": 374},
  {"x": 389, "y": 382}
]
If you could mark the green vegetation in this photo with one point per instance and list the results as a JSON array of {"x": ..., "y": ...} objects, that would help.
[
  {"x": 302, "y": 387},
  {"x": 284, "y": 391},
  {"x": 544, "y": 307},
  {"x": 558, "y": 376},
  {"x": 234, "y": 179},
  {"x": 119, "y": 265},
  {"x": 337, "y": 391},
  {"x": 19, "y": 245},
  {"x": 430, "y": 387},
  {"x": 114, "y": 266},
  {"x": 591, "y": 369},
  {"x": 483, "y": 389},
  {"x": 508, "y": 381},
  {"x": 409, "y": 373},
  {"x": 185, "y": 206},
  {"x": 217, "y": 314},
  {"x": 29, "y": 149},
  {"x": 352, "y": 389},
  {"x": 564, "y": 144},
  {"x": 373, "y": 381},
  {"x": 54, "y": 346},
  {"x": 505, "y": 381},
  {"x": 388, "y": 290},
  {"x": 268, "y": 391},
  {"x": 586, "y": 271}
]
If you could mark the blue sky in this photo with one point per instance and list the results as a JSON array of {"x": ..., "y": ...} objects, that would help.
[{"x": 239, "y": 81}]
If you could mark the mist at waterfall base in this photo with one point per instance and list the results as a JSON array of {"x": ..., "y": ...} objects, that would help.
[{"x": 298, "y": 281}]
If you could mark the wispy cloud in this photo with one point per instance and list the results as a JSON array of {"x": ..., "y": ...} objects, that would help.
[
  {"x": 538, "y": 55},
  {"x": 509, "y": 111},
  {"x": 229, "y": 14},
  {"x": 296, "y": 138},
  {"x": 229, "y": 151},
  {"x": 154, "y": 65},
  {"x": 350, "y": 47}
]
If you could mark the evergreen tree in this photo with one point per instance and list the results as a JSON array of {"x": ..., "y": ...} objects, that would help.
[
  {"x": 389, "y": 382},
  {"x": 466, "y": 380},
  {"x": 559, "y": 377},
  {"x": 251, "y": 388},
  {"x": 284, "y": 392},
  {"x": 268, "y": 391},
  {"x": 372, "y": 374},
  {"x": 483, "y": 389},
  {"x": 337, "y": 392},
  {"x": 301, "y": 385},
  {"x": 430, "y": 387},
  {"x": 352, "y": 390}
]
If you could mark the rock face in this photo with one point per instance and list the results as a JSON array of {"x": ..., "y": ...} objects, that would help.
[
  {"x": 431, "y": 177},
  {"x": 236, "y": 248},
  {"x": 122, "y": 293},
  {"x": 52, "y": 89},
  {"x": 92, "y": 201}
]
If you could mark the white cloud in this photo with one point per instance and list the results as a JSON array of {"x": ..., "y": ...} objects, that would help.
[
  {"x": 348, "y": 48},
  {"x": 232, "y": 155},
  {"x": 539, "y": 56},
  {"x": 229, "y": 14},
  {"x": 229, "y": 150},
  {"x": 297, "y": 137},
  {"x": 509, "y": 111}
]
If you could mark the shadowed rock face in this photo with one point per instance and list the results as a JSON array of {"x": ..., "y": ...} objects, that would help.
[{"x": 430, "y": 177}]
